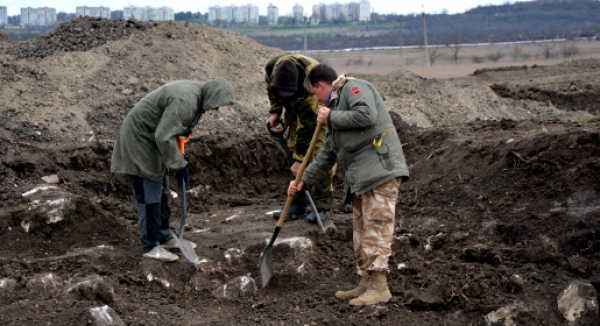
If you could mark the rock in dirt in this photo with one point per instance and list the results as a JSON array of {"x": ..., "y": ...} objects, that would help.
[
  {"x": 47, "y": 204},
  {"x": 7, "y": 284},
  {"x": 52, "y": 179},
  {"x": 103, "y": 316},
  {"x": 45, "y": 285},
  {"x": 578, "y": 303},
  {"x": 514, "y": 284},
  {"x": 240, "y": 286},
  {"x": 376, "y": 311},
  {"x": 435, "y": 294},
  {"x": 92, "y": 288},
  {"x": 154, "y": 271},
  {"x": 200, "y": 282},
  {"x": 505, "y": 315}
]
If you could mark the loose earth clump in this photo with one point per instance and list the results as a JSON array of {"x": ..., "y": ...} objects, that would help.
[{"x": 501, "y": 211}]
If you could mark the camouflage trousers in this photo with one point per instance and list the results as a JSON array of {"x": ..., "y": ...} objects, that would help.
[{"x": 373, "y": 226}]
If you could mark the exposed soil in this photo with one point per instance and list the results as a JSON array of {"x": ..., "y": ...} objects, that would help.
[{"x": 504, "y": 181}]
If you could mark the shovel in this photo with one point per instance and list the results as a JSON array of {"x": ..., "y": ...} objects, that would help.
[
  {"x": 279, "y": 135},
  {"x": 184, "y": 245},
  {"x": 266, "y": 256}
]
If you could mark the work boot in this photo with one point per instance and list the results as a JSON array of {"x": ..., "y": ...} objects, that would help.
[
  {"x": 160, "y": 253},
  {"x": 377, "y": 291},
  {"x": 295, "y": 212},
  {"x": 172, "y": 244},
  {"x": 360, "y": 289},
  {"x": 312, "y": 216}
]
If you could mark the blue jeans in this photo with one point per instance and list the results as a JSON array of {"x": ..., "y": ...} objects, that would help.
[{"x": 152, "y": 201}]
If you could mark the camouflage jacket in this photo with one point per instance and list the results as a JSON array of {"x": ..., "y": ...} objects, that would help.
[{"x": 300, "y": 110}]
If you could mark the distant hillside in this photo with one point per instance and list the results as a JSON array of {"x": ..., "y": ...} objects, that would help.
[{"x": 522, "y": 21}]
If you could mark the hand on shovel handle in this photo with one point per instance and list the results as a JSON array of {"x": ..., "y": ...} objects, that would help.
[
  {"x": 290, "y": 199},
  {"x": 294, "y": 188}
]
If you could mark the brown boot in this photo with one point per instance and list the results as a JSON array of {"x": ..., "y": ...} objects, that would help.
[
  {"x": 377, "y": 291},
  {"x": 360, "y": 289}
]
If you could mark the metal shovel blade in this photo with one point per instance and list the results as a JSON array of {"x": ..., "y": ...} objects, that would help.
[
  {"x": 184, "y": 245},
  {"x": 266, "y": 259},
  {"x": 186, "y": 248},
  {"x": 266, "y": 265}
]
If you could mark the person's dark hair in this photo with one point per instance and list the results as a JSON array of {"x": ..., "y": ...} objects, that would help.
[{"x": 321, "y": 73}]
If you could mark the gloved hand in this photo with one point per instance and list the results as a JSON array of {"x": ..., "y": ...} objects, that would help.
[
  {"x": 276, "y": 128},
  {"x": 182, "y": 176}
]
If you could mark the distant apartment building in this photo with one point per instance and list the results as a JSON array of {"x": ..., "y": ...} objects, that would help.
[
  {"x": 352, "y": 11},
  {"x": 364, "y": 11},
  {"x": 3, "y": 16},
  {"x": 214, "y": 14},
  {"x": 298, "y": 13},
  {"x": 160, "y": 14},
  {"x": 245, "y": 14},
  {"x": 96, "y": 12},
  {"x": 148, "y": 13},
  {"x": 38, "y": 17},
  {"x": 272, "y": 14}
]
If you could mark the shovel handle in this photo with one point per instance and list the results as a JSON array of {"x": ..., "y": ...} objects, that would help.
[{"x": 290, "y": 199}]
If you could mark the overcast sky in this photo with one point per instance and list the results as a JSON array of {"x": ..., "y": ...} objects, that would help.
[{"x": 402, "y": 7}]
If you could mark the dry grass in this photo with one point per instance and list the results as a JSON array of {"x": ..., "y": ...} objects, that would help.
[{"x": 381, "y": 62}]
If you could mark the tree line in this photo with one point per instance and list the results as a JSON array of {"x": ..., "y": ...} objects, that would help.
[{"x": 522, "y": 21}]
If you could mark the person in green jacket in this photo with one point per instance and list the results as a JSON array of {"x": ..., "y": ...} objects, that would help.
[
  {"x": 284, "y": 76},
  {"x": 362, "y": 139},
  {"x": 146, "y": 149}
]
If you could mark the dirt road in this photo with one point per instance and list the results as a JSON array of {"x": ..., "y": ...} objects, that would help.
[{"x": 501, "y": 211}]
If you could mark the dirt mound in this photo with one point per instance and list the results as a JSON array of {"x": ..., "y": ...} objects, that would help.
[
  {"x": 6, "y": 38},
  {"x": 570, "y": 86},
  {"x": 438, "y": 102},
  {"x": 83, "y": 95},
  {"x": 80, "y": 34},
  {"x": 509, "y": 68}
]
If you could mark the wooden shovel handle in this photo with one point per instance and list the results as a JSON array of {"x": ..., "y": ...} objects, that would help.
[{"x": 290, "y": 199}]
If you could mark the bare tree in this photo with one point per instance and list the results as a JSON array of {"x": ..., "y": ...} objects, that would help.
[
  {"x": 569, "y": 50},
  {"x": 456, "y": 45},
  {"x": 434, "y": 53},
  {"x": 495, "y": 56},
  {"x": 517, "y": 51},
  {"x": 547, "y": 49}
]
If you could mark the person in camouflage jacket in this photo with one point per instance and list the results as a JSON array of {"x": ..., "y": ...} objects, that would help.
[{"x": 284, "y": 77}]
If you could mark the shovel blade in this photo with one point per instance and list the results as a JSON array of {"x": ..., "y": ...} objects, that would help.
[
  {"x": 266, "y": 265},
  {"x": 186, "y": 248}
]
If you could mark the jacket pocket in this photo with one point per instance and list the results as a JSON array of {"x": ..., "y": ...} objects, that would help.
[{"x": 384, "y": 156}]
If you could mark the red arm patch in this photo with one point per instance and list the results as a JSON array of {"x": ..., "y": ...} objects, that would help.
[{"x": 355, "y": 90}]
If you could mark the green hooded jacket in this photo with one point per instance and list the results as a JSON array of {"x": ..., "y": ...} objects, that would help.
[
  {"x": 361, "y": 138},
  {"x": 147, "y": 145}
]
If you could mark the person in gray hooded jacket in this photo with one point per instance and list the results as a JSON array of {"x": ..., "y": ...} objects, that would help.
[{"x": 146, "y": 149}]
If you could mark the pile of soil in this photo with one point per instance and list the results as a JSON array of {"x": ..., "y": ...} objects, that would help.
[
  {"x": 6, "y": 38},
  {"x": 503, "y": 187}
]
